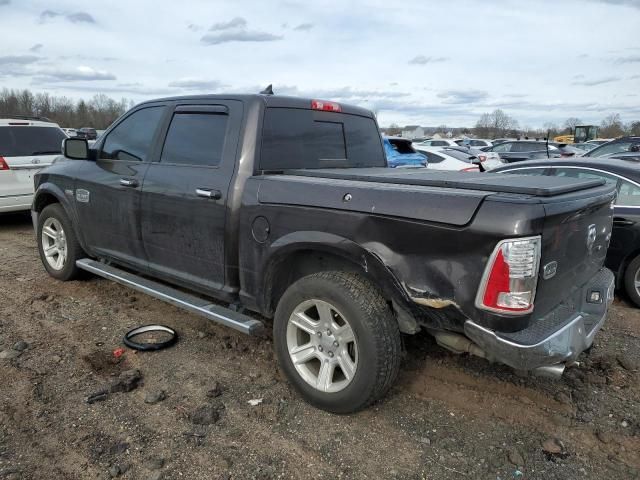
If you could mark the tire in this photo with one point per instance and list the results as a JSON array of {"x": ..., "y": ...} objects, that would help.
[
  {"x": 55, "y": 230},
  {"x": 356, "y": 310},
  {"x": 630, "y": 274}
]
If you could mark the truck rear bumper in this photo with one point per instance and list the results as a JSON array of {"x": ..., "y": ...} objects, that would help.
[{"x": 556, "y": 338}]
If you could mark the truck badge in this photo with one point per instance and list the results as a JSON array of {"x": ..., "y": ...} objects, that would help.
[{"x": 82, "y": 195}]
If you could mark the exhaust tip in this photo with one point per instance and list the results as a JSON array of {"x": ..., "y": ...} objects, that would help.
[{"x": 550, "y": 371}]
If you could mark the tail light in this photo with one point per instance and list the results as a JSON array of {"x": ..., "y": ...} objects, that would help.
[
  {"x": 482, "y": 158},
  {"x": 511, "y": 277},
  {"x": 326, "y": 106},
  {"x": 3, "y": 164},
  {"x": 470, "y": 169}
]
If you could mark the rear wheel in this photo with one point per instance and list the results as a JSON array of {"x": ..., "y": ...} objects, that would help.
[
  {"x": 57, "y": 243},
  {"x": 337, "y": 341},
  {"x": 632, "y": 280}
]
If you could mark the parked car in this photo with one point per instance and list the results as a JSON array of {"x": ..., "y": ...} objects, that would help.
[
  {"x": 489, "y": 160},
  {"x": 568, "y": 150},
  {"x": 283, "y": 208},
  {"x": 598, "y": 142},
  {"x": 27, "y": 144},
  {"x": 87, "y": 133},
  {"x": 456, "y": 160},
  {"x": 623, "y": 256},
  {"x": 400, "y": 153},
  {"x": 437, "y": 142},
  {"x": 71, "y": 132},
  {"x": 474, "y": 142},
  {"x": 521, "y": 150},
  {"x": 615, "y": 147},
  {"x": 585, "y": 146}
]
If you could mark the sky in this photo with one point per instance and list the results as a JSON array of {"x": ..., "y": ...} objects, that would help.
[{"x": 412, "y": 62}]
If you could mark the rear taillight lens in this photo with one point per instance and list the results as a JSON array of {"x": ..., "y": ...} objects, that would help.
[
  {"x": 482, "y": 158},
  {"x": 511, "y": 277},
  {"x": 3, "y": 164},
  {"x": 326, "y": 106},
  {"x": 470, "y": 169}
]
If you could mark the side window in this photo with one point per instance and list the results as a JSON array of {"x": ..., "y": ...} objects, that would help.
[
  {"x": 585, "y": 174},
  {"x": 432, "y": 157},
  {"x": 439, "y": 143},
  {"x": 195, "y": 139},
  {"x": 477, "y": 143},
  {"x": 503, "y": 147},
  {"x": 628, "y": 194},
  {"x": 131, "y": 139}
]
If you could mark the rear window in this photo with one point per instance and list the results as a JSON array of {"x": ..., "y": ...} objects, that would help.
[
  {"x": 458, "y": 155},
  {"x": 300, "y": 138},
  {"x": 402, "y": 146},
  {"x": 28, "y": 141}
]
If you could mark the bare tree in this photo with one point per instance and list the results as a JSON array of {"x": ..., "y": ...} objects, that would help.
[
  {"x": 496, "y": 124},
  {"x": 612, "y": 126},
  {"x": 570, "y": 124}
]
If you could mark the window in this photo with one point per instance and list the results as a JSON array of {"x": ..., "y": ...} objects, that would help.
[
  {"x": 585, "y": 174},
  {"x": 458, "y": 155},
  {"x": 610, "y": 149},
  {"x": 477, "y": 143},
  {"x": 438, "y": 143},
  {"x": 502, "y": 148},
  {"x": 24, "y": 141},
  {"x": 195, "y": 139},
  {"x": 131, "y": 139},
  {"x": 628, "y": 194},
  {"x": 433, "y": 157},
  {"x": 300, "y": 138}
]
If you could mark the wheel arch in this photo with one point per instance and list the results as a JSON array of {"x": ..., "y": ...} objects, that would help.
[{"x": 292, "y": 260}]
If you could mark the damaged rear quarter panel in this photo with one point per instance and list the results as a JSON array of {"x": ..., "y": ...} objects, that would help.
[{"x": 432, "y": 268}]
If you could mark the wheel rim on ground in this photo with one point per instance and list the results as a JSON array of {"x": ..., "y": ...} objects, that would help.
[
  {"x": 636, "y": 281},
  {"x": 54, "y": 243},
  {"x": 322, "y": 346}
]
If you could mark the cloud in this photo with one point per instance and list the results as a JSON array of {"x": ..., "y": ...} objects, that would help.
[
  {"x": 77, "y": 17},
  {"x": 236, "y": 22},
  {"x": 599, "y": 81},
  {"x": 18, "y": 59},
  {"x": 422, "y": 60},
  {"x": 4, "y": 2},
  {"x": 340, "y": 93},
  {"x": 77, "y": 74},
  {"x": 196, "y": 84},
  {"x": 634, "y": 77},
  {"x": 456, "y": 97},
  {"x": 240, "y": 36},
  {"x": 194, "y": 28},
  {"x": 304, "y": 27},
  {"x": 626, "y": 3},
  {"x": 628, "y": 59},
  {"x": 80, "y": 17},
  {"x": 36, "y": 48}
]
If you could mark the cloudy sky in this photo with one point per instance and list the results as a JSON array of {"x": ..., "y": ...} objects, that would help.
[{"x": 414, "y": 62}]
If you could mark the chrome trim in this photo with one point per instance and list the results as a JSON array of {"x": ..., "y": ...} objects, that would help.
[{"x": 249, "y": 328}]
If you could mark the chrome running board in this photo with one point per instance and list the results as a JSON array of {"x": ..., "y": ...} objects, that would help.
[{"x": 191, "y": 303}]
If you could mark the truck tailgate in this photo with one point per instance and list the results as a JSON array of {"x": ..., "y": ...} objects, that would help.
[{"x": 576, "y": 236}]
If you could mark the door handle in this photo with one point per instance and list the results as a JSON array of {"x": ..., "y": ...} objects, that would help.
[
  {"x": 128, "y": 182},
  {"x": 208, "y": 193},
  {"x": 622, "y": 221}
]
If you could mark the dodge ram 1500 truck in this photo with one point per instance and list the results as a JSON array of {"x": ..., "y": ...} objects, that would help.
[{"x": 247, "y": 208}]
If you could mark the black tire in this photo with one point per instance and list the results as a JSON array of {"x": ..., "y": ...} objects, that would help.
[
  {"x": 74, "y": 251},
  {"x": 629, "y": 280},
  {"x": 375, "y": 330}
]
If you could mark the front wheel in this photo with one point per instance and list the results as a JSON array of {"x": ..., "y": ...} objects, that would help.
[
  {"x": 337, "y": 341},
  {"x": 57, "y": 244}
]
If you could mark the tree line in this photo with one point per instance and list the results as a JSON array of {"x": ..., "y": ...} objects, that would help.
[
  {"x": 498, "y": 124},
  {"x": 98, "y": 112}
]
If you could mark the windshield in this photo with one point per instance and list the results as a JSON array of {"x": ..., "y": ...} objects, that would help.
[
  {"x": 610, "y": 149},
  {"x": 28, "y": 141}
]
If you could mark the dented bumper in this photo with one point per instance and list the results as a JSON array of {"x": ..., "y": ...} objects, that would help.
[{"x": 557, "y": 337}]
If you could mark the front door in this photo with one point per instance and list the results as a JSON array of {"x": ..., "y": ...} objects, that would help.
[
  {"x": 184, "y": 196},
  {"x": 107, "y": 191}
]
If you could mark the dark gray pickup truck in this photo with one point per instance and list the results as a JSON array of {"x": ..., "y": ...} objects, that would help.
[{"x": 249, "y": 208}]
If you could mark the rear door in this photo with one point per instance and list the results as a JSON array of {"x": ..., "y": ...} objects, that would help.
[
  {"x": 107, "y": 193},
  {"x": 184, "y": 196}
]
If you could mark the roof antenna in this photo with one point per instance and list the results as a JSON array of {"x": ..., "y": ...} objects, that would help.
[
  {"x": 547, "y": 139},
  {"x": 268, "y": 90}
]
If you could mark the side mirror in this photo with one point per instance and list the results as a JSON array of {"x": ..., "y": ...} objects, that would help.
[{"x": 75, "y": 148}]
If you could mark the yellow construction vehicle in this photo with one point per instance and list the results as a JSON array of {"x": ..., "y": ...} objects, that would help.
[{"x": 581, "y": 133}]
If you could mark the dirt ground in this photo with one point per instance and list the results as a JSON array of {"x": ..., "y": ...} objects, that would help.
[{"x": 448, "y": 416}]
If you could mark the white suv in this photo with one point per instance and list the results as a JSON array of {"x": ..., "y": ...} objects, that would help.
[{"x": 27, "y": 144}]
